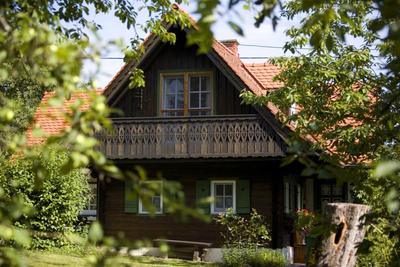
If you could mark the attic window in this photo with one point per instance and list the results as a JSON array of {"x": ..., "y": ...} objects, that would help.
[{"x": 186, "y": 94}]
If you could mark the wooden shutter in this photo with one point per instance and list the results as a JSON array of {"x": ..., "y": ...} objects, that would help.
[
  {"x": 203, "y": 191},
  {"x": 174, "y": 197},
  {"x": 131, "y": 199},
  {"x": 242, "y": 196}
]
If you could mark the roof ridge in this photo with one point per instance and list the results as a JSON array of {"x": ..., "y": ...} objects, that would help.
[{"x": 259, "y": 64}]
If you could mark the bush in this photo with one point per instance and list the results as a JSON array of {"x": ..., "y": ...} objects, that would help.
[
  {"x": 255, "y": 257},
  {"x": 267, "y": 257},
  {"x": 236, "y": 256},
  {"x": 244, "y": 232},
  {"x": 55, "y": 204}
]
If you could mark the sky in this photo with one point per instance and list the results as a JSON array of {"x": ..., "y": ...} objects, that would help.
[{"x": 113, "y": 29}]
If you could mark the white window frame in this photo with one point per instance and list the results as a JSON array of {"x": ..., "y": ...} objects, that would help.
[
  {"x": 293, "y": 109},
  {"x": 286, "y": 194},
  {"x": 212, "y": 184},
  {"x": 91, "y": 212},
  {"x": 141, "y": 207},
  {"x": 199, "y": 92}
]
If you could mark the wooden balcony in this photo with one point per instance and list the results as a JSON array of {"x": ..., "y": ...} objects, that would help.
[{"x": 233, "y": 136}]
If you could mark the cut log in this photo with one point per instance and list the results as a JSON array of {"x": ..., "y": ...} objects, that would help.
[{"x": 340, "y": 248}]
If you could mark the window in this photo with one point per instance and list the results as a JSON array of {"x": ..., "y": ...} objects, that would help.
[
  {"x": 224, "y": 195},
  {"x": 293, "y": 109},
  {"x": 91, "y": 206},
  {"x": 199, "y": 95},
  {"x": 156, "y": 200},
  {"x": 173, "y": 96},
  {"x": 185, "y": 94},
  {"x": 293, "y": 196},
  {"x": 330, "y": 193}
]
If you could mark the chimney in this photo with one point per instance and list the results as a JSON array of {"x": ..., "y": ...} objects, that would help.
[{"x": 232, "y": 45}]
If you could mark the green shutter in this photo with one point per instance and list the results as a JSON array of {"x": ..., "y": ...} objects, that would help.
[
  {"x": 131, "y": 199},
  {"x": 202, "y": 192},
  {"x": 242, "y": 196},
  {"x": 173, "y": 197}
]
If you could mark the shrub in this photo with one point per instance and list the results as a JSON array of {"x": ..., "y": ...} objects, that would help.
[
  {"x": 235, "y": 256},
  {"x": 244, "y": 232},
  {"x": 251, "y": 256},
  {"x": 267, "y": 257},
  {"x": 55, "y": 204}
]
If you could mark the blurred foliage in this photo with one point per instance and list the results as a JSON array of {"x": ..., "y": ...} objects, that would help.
[
  {"x": 348, "y": 95},
  {"x": 347, "y": 89},
  {"x": 241, "y": 232},
  {"x": 55, "y": 205},
  {"x": 26, "y": 96},
  {"x": 43, "y": 45}
]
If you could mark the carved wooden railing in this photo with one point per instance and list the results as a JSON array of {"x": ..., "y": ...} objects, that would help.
[{"x": 190, "y": 137}]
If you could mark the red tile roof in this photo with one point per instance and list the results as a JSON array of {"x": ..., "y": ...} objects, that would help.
[
  {"x": 51, "y": 119},
  {"x": 264, "y": 73}
]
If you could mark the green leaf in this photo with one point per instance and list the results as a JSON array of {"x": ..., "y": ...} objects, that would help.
[
  {"x": 21, "y": 237},
  {"x": 95, "y": 232},
  {"x": 236, "y": 27},
  {"x": 392, "y": 200},
  {"x": 386, "y": 168}
]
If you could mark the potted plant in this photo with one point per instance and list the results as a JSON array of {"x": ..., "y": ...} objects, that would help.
[{"x": 303, "y": 223}]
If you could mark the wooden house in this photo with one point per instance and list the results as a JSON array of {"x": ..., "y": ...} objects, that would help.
[{"x": 188, "y": 123}]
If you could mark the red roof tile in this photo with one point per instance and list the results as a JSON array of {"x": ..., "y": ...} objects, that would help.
[
  {"x": 264, "y": 73},
  {"x": 51, "y": 119}
]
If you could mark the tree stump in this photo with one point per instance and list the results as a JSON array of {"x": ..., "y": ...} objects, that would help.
[{"x": 340, "y": 248}]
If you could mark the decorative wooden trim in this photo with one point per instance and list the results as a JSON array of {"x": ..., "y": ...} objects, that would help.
[{"x": 234, "y": 136}]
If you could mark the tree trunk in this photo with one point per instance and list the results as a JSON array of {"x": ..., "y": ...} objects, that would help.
[{"x": 340, "y": 248}]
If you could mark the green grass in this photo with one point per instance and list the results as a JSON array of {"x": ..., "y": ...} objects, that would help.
[{"x": 36, "y": 258}]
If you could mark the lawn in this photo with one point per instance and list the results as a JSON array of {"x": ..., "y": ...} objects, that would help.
[{"x": 37, "y": 258}]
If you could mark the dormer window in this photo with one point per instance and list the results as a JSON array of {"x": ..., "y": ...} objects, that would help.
[{"x": 186, "y": 94}]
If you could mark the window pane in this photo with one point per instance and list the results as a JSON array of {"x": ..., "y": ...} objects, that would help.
[
  {"x": 205, "y": 83},
  {"x": 219, "y": 203},
  {"x": 170, "y": 87},
  {"x": 194, "y": 100},
  {"x": 219, "y": 189},
  {"x": 169, "y": 102},
  {"x": 337, "y": 190},
  {"x": 194, "y": 83},
  {"x": 180, "y": 98},
  {"x": 205, "y": 100},
  {"x": 228, "y": 202},
  {"x": 156, "y": 200},
  {"x": 173, "y": 93},
  {"x": 228, "y": 190}
]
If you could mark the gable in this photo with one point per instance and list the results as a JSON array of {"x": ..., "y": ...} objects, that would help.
[{"x": 172, "y": 59}]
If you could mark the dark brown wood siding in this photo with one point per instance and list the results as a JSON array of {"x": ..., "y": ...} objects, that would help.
[
  {"x": 180, "y": 58},
  {"x": 265, "y": 196}
]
